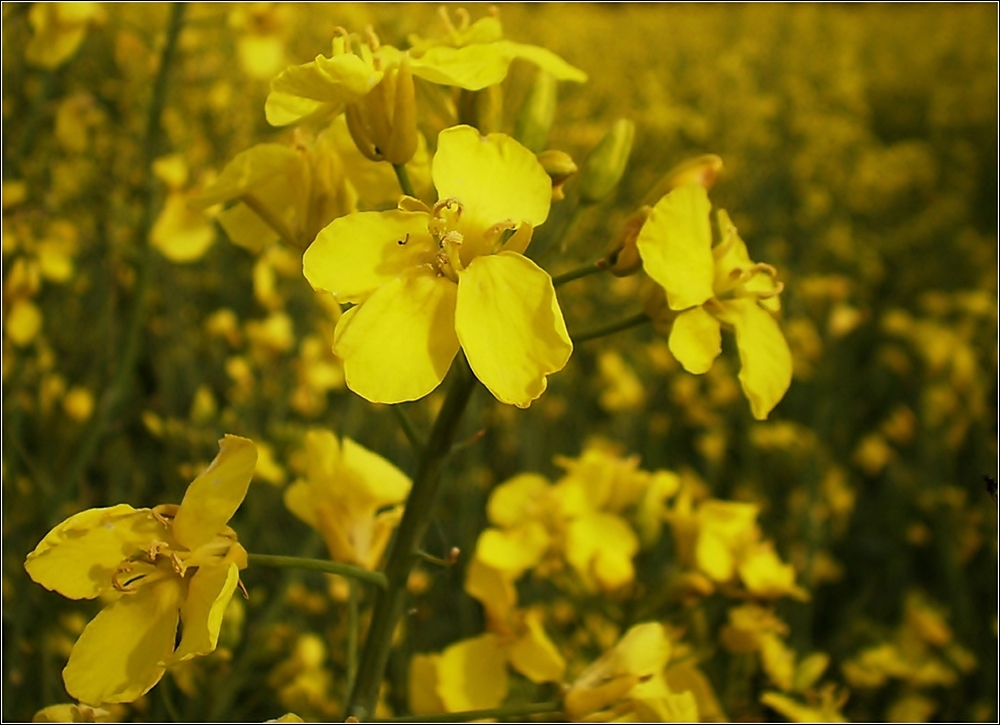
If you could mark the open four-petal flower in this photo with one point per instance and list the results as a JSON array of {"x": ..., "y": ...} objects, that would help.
[
  {"x": 428, "y": 281},
  {"x": 162, "y": 564}
]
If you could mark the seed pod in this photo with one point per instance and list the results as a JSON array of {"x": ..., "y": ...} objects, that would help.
[
  {"x": 534, "y": 120},
  {"x": 604, "y": 167}
]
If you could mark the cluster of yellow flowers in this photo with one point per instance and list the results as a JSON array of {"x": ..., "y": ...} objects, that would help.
[{"x": 409, "y": 222}]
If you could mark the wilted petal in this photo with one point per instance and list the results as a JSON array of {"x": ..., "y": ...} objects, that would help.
[
  {"x": 695, "y": 340},
  {"x": 209, "y": 593},
  {"x": 120, "y": 655},
  {"x": 675, "y": 244},
  {"x": 766, "y": 370},
  {"x": 78, "y": 557},
  {"x": 399, "y": 344},
  {"x": 358, "y": 253},
  {"x": 212, "y": 498},
  {"x": 496, "y": 179},
  {"x": 510, "y": 325},
  {"x": 472, "y": 674}
]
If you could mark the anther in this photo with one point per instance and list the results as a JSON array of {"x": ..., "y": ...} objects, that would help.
[{"x": 402, "y": 242}]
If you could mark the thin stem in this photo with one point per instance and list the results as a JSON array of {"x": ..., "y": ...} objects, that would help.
[
  {"x": 538, "y": 708},
  {"x": 408, "y": 430},
  {"x": 404, "y": 179},
  {"x": 390, "y": 603},
  {"x": 578, "y": 273},
  {"x": 116, "y": 393},
  {"x": 330, "y": 567},
  {"x": 352, "y": 635},
  {"x": 610, "y": 328}
]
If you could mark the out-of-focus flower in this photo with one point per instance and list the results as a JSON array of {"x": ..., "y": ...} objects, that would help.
[
  {"x": 712, "y": 286},
  {"x": 261, "y": 44},
  {"x": 350, "y": 495},
  {"x": 67, "y": 712},
  {"x": 302, "y": 681},
  {"x": 57, "y": 31},
  {"x": 157, "y": 565},
  {"x": 623, "y": 391},
  {"x": 427, "y": 281},
  {"x": 825, "y": 708},
  {"x": 181, "y": 232},
  {"x": 627, "y": 682}
]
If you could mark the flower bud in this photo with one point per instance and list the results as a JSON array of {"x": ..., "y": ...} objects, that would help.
[
  {"x": 623, "y": 257},
  {"x": 534, "y": 120},
  {"x": 559, "y": 165},
  {"x": 482, "y": 109},
  {"x": 383, "y": 123},
  {"x": 703, "y": 170},
  {"x": 604, "y": 167}
]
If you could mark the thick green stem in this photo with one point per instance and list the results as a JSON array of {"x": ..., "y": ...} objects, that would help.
[
  {"x": 390, "y": 603},
  {"x": 115, "y": 394},
  {"x": 538, "y": 708},
  {"x": 404, "y": 179},
  {"x": 352, "y": 635},
  {"x": 610, "y": 328},
  {"x": 330, "y": 567},
  {"x": 578, "y": 273}
]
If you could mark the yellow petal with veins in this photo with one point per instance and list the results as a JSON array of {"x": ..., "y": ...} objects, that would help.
[
  {"x": 766, "y": 370},
  {"x": 400, "y": 342},
  {"x": 472, "y": 674},
  {"x": 120, "y": 655},
  {"x": 510, "y": 325},
  {"x": 356, "y": 254},
  {"x": 675, "y": 244},
  {"x": 695, "y": 340},
  {"x": 209, "y": 593},
  {"x": 79, "y": 556},
  {"x": 212, "y": 498}
]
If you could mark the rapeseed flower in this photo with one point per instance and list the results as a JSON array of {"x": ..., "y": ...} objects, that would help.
[
  {"x": 714, "y": 286},
  {"x": 157, "y": 565},
  {"x": 426, "y": 281}
]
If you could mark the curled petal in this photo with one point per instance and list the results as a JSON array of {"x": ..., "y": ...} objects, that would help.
[
  {"x": 120, "y": 655},
  {"x": 675, "y": 244},
  {"x": 212, "y": 498},
  {"x": 766, "y": 370},
  {"x": 356, "y": 254},
  {"x": 511, "y": 327},
  {"x": 399, "y": 344},
  {"x": 78, "y": 557},
  {"x": 695, "y": 340},
  {"x": 209, "y": 593}
]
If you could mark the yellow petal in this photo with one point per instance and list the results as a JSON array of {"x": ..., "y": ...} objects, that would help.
[
  {"x": 494, "y": 591},
  {"x": 383, "y": 482},
  {"x": 181, "y": 234},
  {"x": 644, "y": 649},
  {"x": 423, "y": 685},
  {"x": 120, "y": 655},
  {"x": 713, "y": 557},
  {"x": 267, "y": 167},
  {"x": 696, "y": 340},
  {"x": 332, "y": 82},
  {"x": 515, "y": 550},
  {"x": 212, "y": 498},
  {"x": 23, "y": 323},
  {"x": 778, "y": 661},
  {"x": 766, "y": 361},
  {"x": 356, "y": 254},
  {"x": 209, "y": 593},
  {"x": 496, "y": 179},
  {"x": 400, "y": 342},
  {"x": 601, "y": 546},
  {"x": 675, "y": 244},
  {"x": 300, "y": 500},
  {"x": 78, "y": 557},
  {"x": 510, "y": 325},
  {"x": 534, "y": 655},
  {"x": 546, "y": 60},
  {"x": 472, "y": 674},
  {"x": 473, "y": 67},
  {"x": 766, "y": 575},
  {"x": 515, "y": 500},
  {"x": 245, "y": 229}
]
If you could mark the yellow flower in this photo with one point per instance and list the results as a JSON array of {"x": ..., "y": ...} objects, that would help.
[
  {"x": 158, "y": 564},
  {"x": 345, "y": 497},
  {"x": 58, "y": 29},
  {"x": 712, "y": 286},
  {"x": 427, "y": 281}
]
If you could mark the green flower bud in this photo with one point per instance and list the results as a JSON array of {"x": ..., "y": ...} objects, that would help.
[
  {"x": 482, "y": 109},
  {"x": 604, "y": 167},
  {"x": 534, "y": 120},
  {"x": 559, "y": 165}
]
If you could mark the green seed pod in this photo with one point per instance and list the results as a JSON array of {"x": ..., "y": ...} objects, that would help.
[
  {"x": 534, "y": 120},
  {"x": 604, "y": 167}
]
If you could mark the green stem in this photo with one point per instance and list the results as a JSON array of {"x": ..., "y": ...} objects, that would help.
[
  {"x": 578, "y": 273},
  {"x": 565, "y": 233},
  {"x": 610, "y": 328},
  {"x": 389, "y": 604},
  {"x": 330, "y": 567},
  {"x": 408, "y": 430},
  {"x": 538, "y": 708},
  {"x": 404, "y": 179},
  {"x": 352, "y": 635},
  {"x": 116, "y": 393}
]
